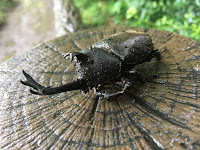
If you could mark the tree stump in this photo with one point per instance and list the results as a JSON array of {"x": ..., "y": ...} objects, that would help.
[{"x": 162, "y": 113}]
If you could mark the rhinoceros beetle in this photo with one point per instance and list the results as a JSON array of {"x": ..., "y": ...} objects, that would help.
[{"x": 107, "y": 62}]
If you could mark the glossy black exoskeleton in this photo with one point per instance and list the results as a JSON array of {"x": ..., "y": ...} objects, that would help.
[{"x": 106, "y": 62}]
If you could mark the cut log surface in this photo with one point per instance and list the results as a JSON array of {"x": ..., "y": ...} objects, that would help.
[{"x": 162, "y": 113}]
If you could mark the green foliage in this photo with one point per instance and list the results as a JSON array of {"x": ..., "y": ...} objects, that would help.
[
  {"x": 30, "y": 5},
  {"x": 181, "y": 16},
  {"x": 5, "y": 5}
]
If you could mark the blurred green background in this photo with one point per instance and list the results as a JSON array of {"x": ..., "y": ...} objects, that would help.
[
  {"x": 180, "y": 16},
  {"x": 5, "y": 6}
]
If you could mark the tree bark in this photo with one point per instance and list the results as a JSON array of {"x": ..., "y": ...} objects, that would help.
[{"x": 67, "y": 17}]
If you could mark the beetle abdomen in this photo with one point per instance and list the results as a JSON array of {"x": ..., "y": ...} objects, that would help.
[{"x": 129, "y": 46}]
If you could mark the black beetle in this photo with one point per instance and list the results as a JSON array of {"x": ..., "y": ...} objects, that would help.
[{"x": 106, "y": 62}]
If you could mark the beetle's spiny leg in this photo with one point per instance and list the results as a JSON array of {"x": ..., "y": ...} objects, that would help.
[{"x": 109, "y": 96}]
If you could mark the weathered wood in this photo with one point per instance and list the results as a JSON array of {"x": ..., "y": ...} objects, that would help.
[{"x": 162, "y": 113}]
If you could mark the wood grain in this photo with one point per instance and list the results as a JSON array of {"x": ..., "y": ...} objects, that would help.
[{"x": 162, "y": 113}]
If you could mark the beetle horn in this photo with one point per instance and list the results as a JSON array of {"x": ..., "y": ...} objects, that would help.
[
  {"x": 71, "y": 55},
  {"x": 41, "y": 90}
]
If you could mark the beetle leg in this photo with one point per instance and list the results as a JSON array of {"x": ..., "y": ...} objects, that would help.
[
  {"x": 42, "y": 90},
  {"x": 110, "y": 96},
  {"x": 157, "y": 54},
  {"x": 125, "y": 87},
  {"x": 133, "y": 73},
  {"x": 154, "y": 53},
  {"x": 99, "y": 88}
]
